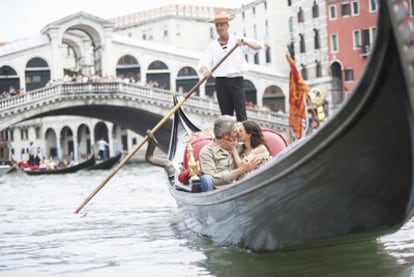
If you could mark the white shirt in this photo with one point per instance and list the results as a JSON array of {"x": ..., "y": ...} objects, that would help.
[
  {"x": 102, "y": 144},
  {"x": 235, "y": 64}
]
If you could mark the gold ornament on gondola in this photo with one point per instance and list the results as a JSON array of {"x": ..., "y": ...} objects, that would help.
[
  {"x": 316, "y": 99},
  {"x": 193, "y": 165}
]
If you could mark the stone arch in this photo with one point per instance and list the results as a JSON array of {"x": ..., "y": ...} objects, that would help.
[
  {"x": 51, "y": 146},
  {"x": 73, "y": 55},
  {"x": 37, "y": 73},
  {"x": 89, "y": 60},
  {"x": 251, "y": 92},
  {"x": 158, "y": 75},
  {"x": 84, "y": 141},
  {"x": 101, "y": 132},
  {"x": 9, "y": 80},
  {"x": 337, "y": 83},
  {"x": 128, "y": 67},
  {"x": 274, "y": 99},
  {"x": 66, "y": 143},
  {"x": 187, "y": 78},
  {"x": 89, "y": 33}
]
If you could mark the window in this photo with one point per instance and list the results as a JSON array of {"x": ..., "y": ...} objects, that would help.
[
  {"x": 254, "y": 10},
  {"x": 355, "y": 8},
  {"x": 334, "y": 43},
  {"x": 345, "y": 10},
  {"x": 24, "y": 134},
  {"x": 349, "y": 75},
  {"x": 317, "y": 43},
  {"x": 291, "y": 25},
  {"x": 357, "y": 40},
  {"x": 318, "y": 69},
  {"x": 37, "y": 79},
  {"x": 265, "y": 5},
  {"x": 365, "y": 37},
  {"x": 372, "y": 5},
  {"x": 302, "y": 43},
  {"x": 304, "y": 72},
  {"x": 301, "y": 17},
  {"x": 332, "y": 12},
  {"x": 256, "y": 58},
  {"x": 268, "y": 55},
  {"x": 365, "y": 42},
  {"x": 412, "y": 7},
  {"x": 315, "y": 10},
  {"x": 37, "y": 131}
]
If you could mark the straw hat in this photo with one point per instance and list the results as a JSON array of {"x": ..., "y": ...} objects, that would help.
[{"x": 221, "y": 19}]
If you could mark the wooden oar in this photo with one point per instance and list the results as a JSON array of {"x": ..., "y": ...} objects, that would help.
[{"x": 155, "y": 129}]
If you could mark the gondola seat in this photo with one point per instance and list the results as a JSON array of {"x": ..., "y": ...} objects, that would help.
[{"x": 274, "y": 140}]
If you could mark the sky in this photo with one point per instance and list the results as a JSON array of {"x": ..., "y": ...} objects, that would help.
[{"x": 26, "y": 18}]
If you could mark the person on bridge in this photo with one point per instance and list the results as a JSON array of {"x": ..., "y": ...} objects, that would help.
[{"x": 229, "y": 81}]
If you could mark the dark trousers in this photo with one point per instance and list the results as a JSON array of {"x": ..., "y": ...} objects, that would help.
[{"x": 231, "y": 96}]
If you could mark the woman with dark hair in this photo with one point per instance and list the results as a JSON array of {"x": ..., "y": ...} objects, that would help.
[{"x": 254, "y": 146}]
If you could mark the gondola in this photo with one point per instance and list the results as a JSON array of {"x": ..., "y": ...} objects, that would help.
[
  {"x": 107, "y": 163},
  {"x": 4, "y": 169},
  {"x": 29, "y": 170},
  {"x": 351, "y": 180}
]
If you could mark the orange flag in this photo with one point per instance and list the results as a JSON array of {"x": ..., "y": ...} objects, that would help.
[{"x": 297, "y": 93}]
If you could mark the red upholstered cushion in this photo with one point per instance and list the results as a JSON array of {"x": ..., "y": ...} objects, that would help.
[
  {"x": 275, "y": 141},
  {"x": 199, "y": 141},
  {"x": 197, "y": 144}
]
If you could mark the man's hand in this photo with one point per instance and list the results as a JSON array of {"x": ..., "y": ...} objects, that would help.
[{"x": 206, "y": 72}]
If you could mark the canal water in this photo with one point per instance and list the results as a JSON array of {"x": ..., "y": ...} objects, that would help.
[{"x": 132, "y": 228}]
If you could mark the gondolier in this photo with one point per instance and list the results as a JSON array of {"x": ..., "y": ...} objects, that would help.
[{"x": 229, "y": 77}]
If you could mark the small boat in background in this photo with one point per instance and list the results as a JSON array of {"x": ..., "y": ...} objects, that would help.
[
  {"x": 38, "y": 170},
  {"x": 106, "y": 164}
]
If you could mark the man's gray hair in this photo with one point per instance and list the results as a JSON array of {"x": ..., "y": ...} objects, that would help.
[{"x": 223, "y": 125}]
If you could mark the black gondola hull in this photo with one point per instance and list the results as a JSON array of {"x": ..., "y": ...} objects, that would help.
[{"x": 351, "y": 180}]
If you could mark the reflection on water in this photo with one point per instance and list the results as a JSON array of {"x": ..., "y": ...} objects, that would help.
[
  {"x": 360, "y": 259},
  {"x": 132, "y": 228}
]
